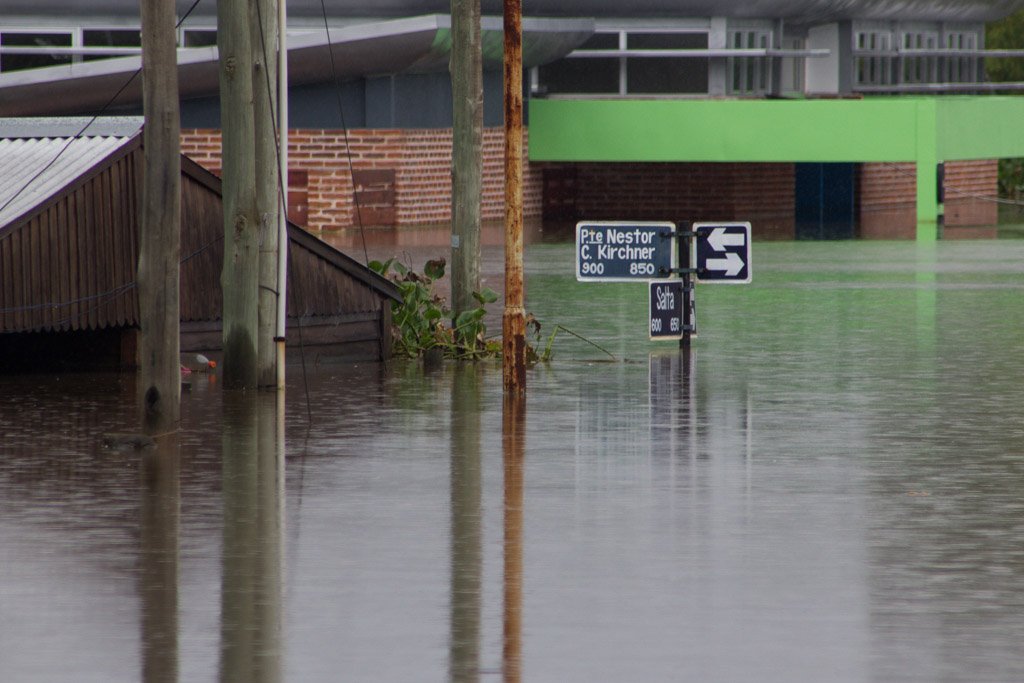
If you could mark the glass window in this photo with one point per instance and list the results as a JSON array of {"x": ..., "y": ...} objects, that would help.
[
  {"x": 961, "y": 69},
  {"x": 110, "y": 38},
  {"x": 749, "y": 75},
  {"x": 199, "y": 38},
  {"x": 873, "y": 55},
  {"x": 667, "y": 75},
  {"x": 920, "y": 69},
  {"x": 584, "y": 75},
  {"x": 40, "y": 58}
]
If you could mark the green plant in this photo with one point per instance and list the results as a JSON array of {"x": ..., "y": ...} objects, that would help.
[
  {"x": 420, "y": 320},
  {"x": 1011, "y": 179}
]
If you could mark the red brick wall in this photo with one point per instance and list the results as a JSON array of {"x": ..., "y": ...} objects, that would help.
[
  {"x": 421, "y": 160},
  {"x": 888, "y": 197},
  {"x": 971, "y": 190},
  {"x": 760, "y": 193},
  {"x": 887, "y": 201}
]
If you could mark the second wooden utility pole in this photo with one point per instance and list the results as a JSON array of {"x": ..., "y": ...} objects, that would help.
[
  {"x": 160, "y": 223},
  {"x": 466, "y": 69},
  {"x": 240, "y": 276},
  {"x": 263, "y": 23}
]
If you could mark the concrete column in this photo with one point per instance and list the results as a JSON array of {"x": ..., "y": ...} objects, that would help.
[
  {"x": 718, "y": 72},
  {"x": 927, "y": 161}
]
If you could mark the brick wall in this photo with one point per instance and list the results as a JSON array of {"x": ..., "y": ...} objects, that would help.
[
  {"x": 887, "y": 201},
  {"x": 971, "y": 188},
  {"x": 888, "y": 197},
  {"x": 758, "y": 192},
  {"x": 420, "y": 160}
]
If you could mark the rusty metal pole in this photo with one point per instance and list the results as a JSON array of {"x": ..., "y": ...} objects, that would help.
[{"x": 513, "y": 322}]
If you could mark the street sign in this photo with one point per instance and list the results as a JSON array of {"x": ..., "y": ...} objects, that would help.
[
  {"x": 671, "y": 309},
  {"x": 721, "y": 252},
  {"x": 612, "y": 252}
]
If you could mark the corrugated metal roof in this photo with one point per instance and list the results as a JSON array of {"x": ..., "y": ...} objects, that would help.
[{"x": 40, "y": 157}]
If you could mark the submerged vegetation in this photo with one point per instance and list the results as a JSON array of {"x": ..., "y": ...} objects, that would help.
[{"x": 422, "y": 321}]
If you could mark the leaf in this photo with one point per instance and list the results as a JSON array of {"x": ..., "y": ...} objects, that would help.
[
  {"x": 434, "y": 268},
  {"x": 487, "y": 296}
]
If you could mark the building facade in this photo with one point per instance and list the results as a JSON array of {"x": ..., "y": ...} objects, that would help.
[{"x": 371, "y": 138}]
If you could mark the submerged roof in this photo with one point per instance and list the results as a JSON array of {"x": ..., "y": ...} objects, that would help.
[
  {"x": 39, "y": 158},
  {"x": 413, "y": 45}
]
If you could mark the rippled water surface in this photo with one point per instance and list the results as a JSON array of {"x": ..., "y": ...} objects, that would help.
[{"x": 828, "y": 486}]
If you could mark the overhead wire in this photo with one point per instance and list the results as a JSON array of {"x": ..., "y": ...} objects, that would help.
[
  {"x": 91, "y": 121},
  {"x": 283, "y": 196},
  {"x": 344, "y": 129}
]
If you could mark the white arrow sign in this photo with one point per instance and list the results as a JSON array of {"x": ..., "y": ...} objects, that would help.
[
  {"x": 719, "y": 239},
  {"x": 732, "y": 264}
]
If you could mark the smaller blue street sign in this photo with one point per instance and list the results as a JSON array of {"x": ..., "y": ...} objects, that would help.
[
  {"x": 671, "y": 309},
  {"x": 721, "y": 252},
  {"x": 611, "y": 252}
]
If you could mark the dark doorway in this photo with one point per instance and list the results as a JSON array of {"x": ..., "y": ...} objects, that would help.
[{"x": 825, "y": 201}]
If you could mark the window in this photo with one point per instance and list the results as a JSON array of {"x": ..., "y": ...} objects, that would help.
[
  {"x": 198, "y": 38},
  {"x": 962, "y": 69},
  {"x": 749, "y": 75},
  {"x": 873, "y": 52},
  {"x": 110, "y": 38},
  {"x": 584, "y": 75},
  {"x": 621, "y": 74},
  {"x": 39, "y": 57},
  {"x": 920, "y": 69},
  {"x": 667, "y": 75}
]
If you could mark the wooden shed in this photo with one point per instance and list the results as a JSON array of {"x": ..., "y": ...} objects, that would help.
[{"x": 70, "y": 192}]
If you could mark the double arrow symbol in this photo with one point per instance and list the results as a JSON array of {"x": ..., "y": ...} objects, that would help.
[{"x": 719, "y": 239}]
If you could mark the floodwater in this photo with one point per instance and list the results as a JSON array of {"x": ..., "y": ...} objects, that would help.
[{"x": 828, "y": 486}]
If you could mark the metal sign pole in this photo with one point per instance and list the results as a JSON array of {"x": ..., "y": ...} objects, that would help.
[{"x": 683, "y": 236}]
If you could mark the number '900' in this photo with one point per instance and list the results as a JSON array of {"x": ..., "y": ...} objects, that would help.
[{"x": 587, "y": 268}]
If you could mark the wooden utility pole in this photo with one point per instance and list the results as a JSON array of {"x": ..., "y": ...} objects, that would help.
[
  {"x": 159, "y": 386},
  {"x": 513, "y": 321},
  {"x": 466, "y": 69},
  {"x": 240, "y": 276},
  {"x": 263, "y": 25}
]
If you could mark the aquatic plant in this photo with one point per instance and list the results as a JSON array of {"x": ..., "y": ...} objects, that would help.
[{"x": 422, "y": 321}]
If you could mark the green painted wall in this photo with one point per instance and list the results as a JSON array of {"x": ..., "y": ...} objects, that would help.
[
  {"x": 980, "y": 127},
  {"x": 876, "y": 129},
  {"x": 925, "y": 130},
  {"x": 722, "y": 130}
]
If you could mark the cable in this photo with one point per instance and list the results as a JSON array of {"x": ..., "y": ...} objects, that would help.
[
  {"x": 109, "y": 295},
  {"x": 344, "y": 129},
  {"x": 92, "y": 120},
  {"x": 284, "y": 203},
  {"x": 952, "y": 190},
  {"x": 351, "y": 170}
]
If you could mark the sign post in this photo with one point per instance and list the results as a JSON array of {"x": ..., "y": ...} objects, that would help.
[{"x": 671, "y": 260}]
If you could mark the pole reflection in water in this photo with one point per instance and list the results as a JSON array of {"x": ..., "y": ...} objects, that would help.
[
  {"x": 253, "y": 484},
  {"x": 158, "y": 575},
  {"x": 513, "y": 446},
  {"x": 464, "y": 647}
]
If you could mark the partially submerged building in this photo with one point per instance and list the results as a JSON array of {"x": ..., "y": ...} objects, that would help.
[
  {"x": 810, "y": 118},
  {"x": 70, "y": 191}
]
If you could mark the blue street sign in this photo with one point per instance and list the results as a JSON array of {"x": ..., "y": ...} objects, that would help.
[
  {"x": 610, "y": 252},
  {"x": 671, "y": 310},
  {"x": 721, "y": 252}
]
